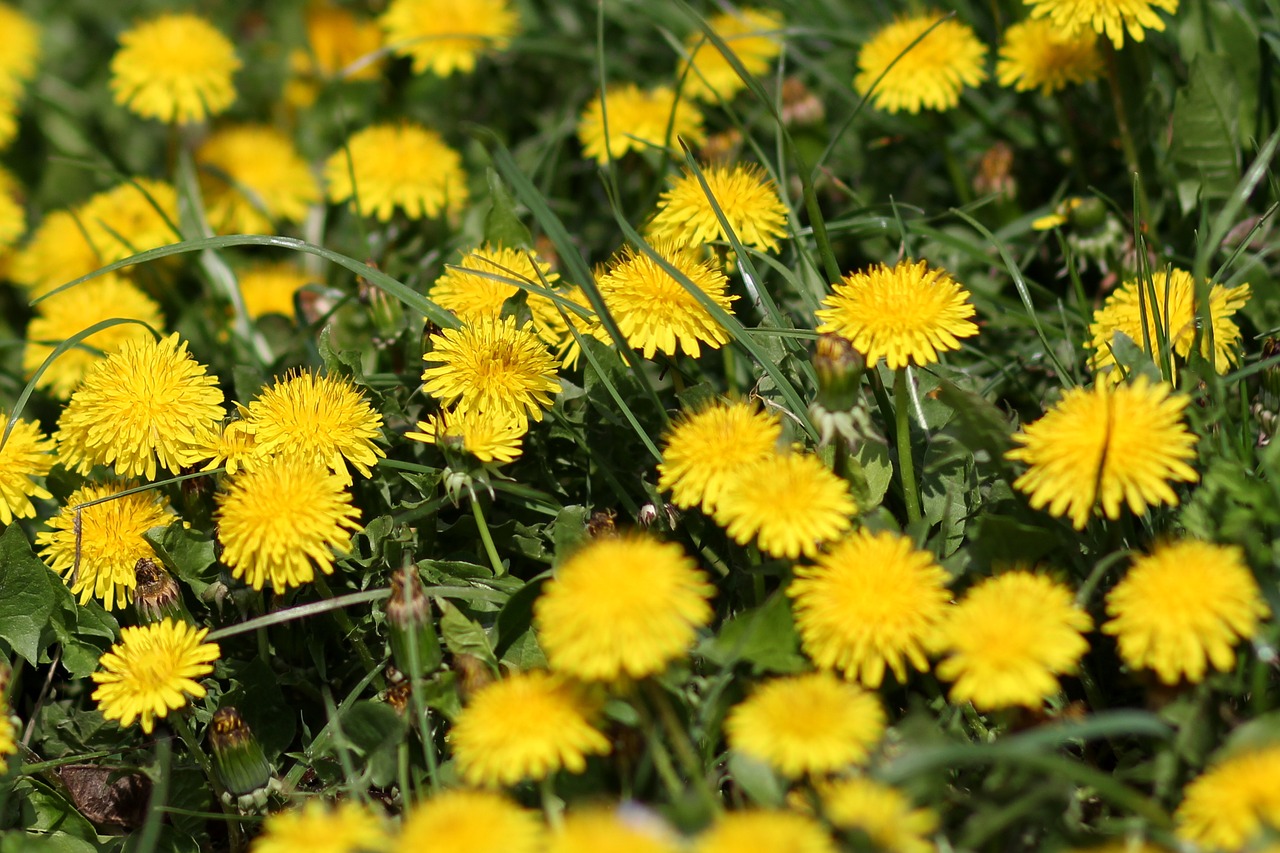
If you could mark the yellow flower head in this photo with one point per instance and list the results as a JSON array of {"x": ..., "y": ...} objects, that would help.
[
  {"x": 55, "y": 253},
  {"x": 25, "y": 455},
  {"x": 624, "y": 830},
  {"x": 8, "y": 736},
  {"x": 149, "y": 404},
  {"x": 747, "y": 198},
  {"x": 130, "y": 218},
  {"x": 397, "y": 165},
  {"x": 444, "y": 36},
  {"x": 1185, "y": 605},
  {"x": 527, "y": 726},
  {"x": 638, "y": 120},
  {"x": 460, "y": 821},
  {"x": 152, "y": 671},
  {"x": 340, "y": 46},
  {"x": 70, "y": 312},
  {"x": 807, "y": 724},
  {"x": 1170, "y": 316},
  {"x": 21, "y": 53},
  {"x": 1111, "y": 18},
  {"x": 252, "y": 176},
  {"x": 706, "y": 449},
  {"x": 282, "y": 519},
  {"x": 13, "y": 212},
  {"x": 1035, "y": 54},
  {"x": 621, "y": 607},
  {"x": 100, "y": 561},
  {"x": 882, "y": 813},
  {"x": 1233, "y": 802},
  {"x": 348, "y": 827},
  {"x": 268, "y": 288},
  {"x": 754, "y": 36},
  {"x": 175, "y": 68},
  {"x": 489, "y": 437},
  {"x": 654, "y": 311},
  {"x": 553, "y": 319},
  {"x": 321, "y": 418},
  {"x": 789, "y": 502},
  {"x": 907, "y": 314},
  {"x": 485, "y": 279},
  {"x": 1009, "y": 639},
  {"x": 491, "y": 366},
  {"x": 1104, "y": 447},
  {"x": 873, "y": 600},
  {"x": 928, "y": 74},
  {"x": 765, "y": 831},
  {"x": 234, "y": 448}
]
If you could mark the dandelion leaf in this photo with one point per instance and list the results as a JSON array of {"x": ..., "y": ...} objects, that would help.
[{"x": 1205, "y": 152}]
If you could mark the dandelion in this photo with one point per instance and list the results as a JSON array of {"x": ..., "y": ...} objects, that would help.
[
  {"x": 790, "y": 503},
  {"x": 324, "y": 418},
  {"x": 269, "y": 288},
  {"x": 706, "y": 449},
  {"x": 233, "y": 449},
  {"x": 491, "y": 366},
  {"x": 175, "y": 68},
  {"x": 747, "y": 199},
  {"x": 402, "y": 165},
  {"x": 620, "y": 607},
  {"x": 880, "y": 812},
  {"x": 347, "y": 827},
  {"x": 152, "y": 671},
  {"x": 55, "y": 253},
  {"x": 25, "y": 455},
  {"x": 252, "y": 176},
  {"x": 553, "y": 321},
  {"x": 460, "y": 821},
  {"x": 489, "y": 437},
  {"x": 96, "y": 549},
  {"x": 625, "y": 830},
  {"x": 13, "y": 214},
  {"x": 654, "y": 311},
  {"x": 812, "y": 723},
  {"x": 148, "y": 404},
  {"x": 1233, "y": 802},
  {"x": 446, "y": 36},
  {"x": 1104, "y": 447},
  {"x": 638, "y": 120},
  {"x": 130, "y": 218},
  {"x": 754, "y": 37},
  {"x": 21, "y": 54},
  {"x": 1111, "y": 18},
  {"x": 340, "y": 46},
  {"x": 8, "y": 734},
  {"x": 1170, "y": 317},
  {"x": 283, "y": 519},
  {"x": 1035, "y": 54},
  {"x": 1185, "y": 605},
  {"x": 1009, "y": 639},
  {"x": 527, "y": 726},
  {"x": 765, "y": 831},
  {"x": 907, "y": 314},
  {"x": 873, "y": 600},
  {"x": 928, "y": 73},
  {"x": 482, "y": 282}
]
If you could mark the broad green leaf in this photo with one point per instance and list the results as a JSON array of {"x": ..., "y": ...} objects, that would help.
[
  {"x": 28, "y": 595},
  {"x": 502, "y": 226},
  {"x": 1206, "y": 132}
]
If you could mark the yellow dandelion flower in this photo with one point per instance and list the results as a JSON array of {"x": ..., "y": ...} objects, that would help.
[
  {"x": 175, "y": 68},
  {"x": 1010, "y": 637},
  {"x": 812, "y": 723},
  {"x": 491, "y": 366},
  {"x": 907, "y": 314},
  {"x": 1035, "y": 54},
  {"x": 873, "y": 600},
  {"x": 624, "y": 830},
  {"x": 1111, "y": 18},
  {"x": 1126, "y": 845},
  {"x": 8, "y": 735},
  {"x": 765, "y": 831},
  {"x": 130, "y": 218},
  {"x": 488, "y": 437},
  {"x": 55, "y": 253},
  {"x": 1233, "y": 802},
  {"x": 13, "y": 214},
  {"x": 252, "y": 176},
  {"x": 99, "y": 562},
  {"x": 324, "y": 418},
  {"x": 482, "y": 281},
  {"x": 527, "y": 726},
  {"x": 25, "y": 455},
  {"x": 268, "y": 288},
  {"x": 234, "y": 448},
  {"x": 340, "y": 46},
  {"x": 929, "y": 74},
  {"x": 347, "y": 827},
  {"x": 444, "y": 36},
  {"x": 1106, "y": 446},
  {"x": 552, "y": 320},
  {"x": 1171, "y": 316},
  {"x": 148, "y": 403},
  {"x": 880, "y": 812},
  {"x": 1185, "y": 605},
  {"x": 754, "y": 36},
  {"x": 790, "y": 503},
  {"x": 70, "y": 312},
  {"x": 706, "y": 449},
  {"x": 638, "y": 119},
  {"x": 21, "y": 53},
  {"x": 746, "y": 196},
  {"x": 461, "y": 821},
  {"x": 283, "y": 519},
  {"x": 620, "y": 607},
  {"x": 147, "y": 673},
  {"x": 402, "y": 165},
  {"x": 653, "y": 310}
]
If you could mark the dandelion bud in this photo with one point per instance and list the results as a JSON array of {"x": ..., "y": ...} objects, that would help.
[
  {"x": 800, "y": 106},
  {"x": 414, "y": 644},
  {"x": 839, "y": 367},
  {"x": 386, "y": 313},
  {"x": 238, "y": 756},
  {"x": 473, "y": 674},
  {"x": 157, "y": 595}
]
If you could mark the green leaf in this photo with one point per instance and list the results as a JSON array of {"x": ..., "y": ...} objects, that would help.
[
  {"x": 371, "y": 726},
  {"x": 569, "y": 531},
  {"x": 764, "y": 637},
  {"x": 1206, "y": 132},
  {"x": 464, "y": 637},
  {"x": 502, "y": 226},
  {"x": 755, "y": 777},
  {"x": 28, "y": 595},
  {"x": 188, "y": 552},
  {"x": 516, "y": 616},
  {"x": 977, "y": 423},
  {"x": 877, "y": 469}
]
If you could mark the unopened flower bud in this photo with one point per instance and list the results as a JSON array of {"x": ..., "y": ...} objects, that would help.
[
  {"x": 157, "y": 595},
  {"x": 414, "y": 644},
  {"x": 839, "y": 367},
  {"x": 238, "y": 756}
]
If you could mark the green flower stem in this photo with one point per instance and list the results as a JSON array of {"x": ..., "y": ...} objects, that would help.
[
  {"x": 680, "y": 741},
  {"x": 498, "y": 569},
  {"x": 178, "y": 719},
  {"x": 552, "y": 806},
  {"x": 1122, "y": 123},
  {"x": 906, "y": 466},
  {"x": 349, "y": 628}
]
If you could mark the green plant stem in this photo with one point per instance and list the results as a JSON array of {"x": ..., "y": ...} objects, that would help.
[
  {"x": 349, "y": 628},
  {"x": 681, "y": 742},
  {"x": 1126, "y": 131},
  {"x": 498, "y": 569},
  {"x": 902, "y": 432},
  {"x": 182, "y": 726},
  {"x": 552, "y": 806}
]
